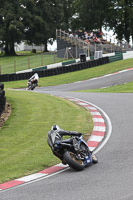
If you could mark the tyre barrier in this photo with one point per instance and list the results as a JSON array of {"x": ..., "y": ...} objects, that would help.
[
  {"x": 2, "y": 98},
  {"x": 55, "y": 71}
]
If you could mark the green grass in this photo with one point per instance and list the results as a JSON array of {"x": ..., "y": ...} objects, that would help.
[
  {"x": 78, "y": 75},
  {"x": 26, "y": 60},
  {"x": 23, "y": 138},
  {"x": 123, "y": 88}
]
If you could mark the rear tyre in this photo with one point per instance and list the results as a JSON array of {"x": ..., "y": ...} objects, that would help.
[{"x": 73, "y": 161}]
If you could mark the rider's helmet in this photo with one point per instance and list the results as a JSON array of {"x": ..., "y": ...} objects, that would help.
[{"x": 55, "y": 127}]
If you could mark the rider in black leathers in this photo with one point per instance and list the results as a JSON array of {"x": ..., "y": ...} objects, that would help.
[
  {"x": 58, "y": 138},
  {"x": 59, "y": 133}
]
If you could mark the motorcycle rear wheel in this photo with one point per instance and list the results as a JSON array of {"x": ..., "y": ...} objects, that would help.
[{"x": 71, "y": 160}]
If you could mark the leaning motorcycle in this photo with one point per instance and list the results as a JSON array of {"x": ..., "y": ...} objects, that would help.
[
  {"x": 31, "y": 85},
  {"x": 73, "y": 151}
]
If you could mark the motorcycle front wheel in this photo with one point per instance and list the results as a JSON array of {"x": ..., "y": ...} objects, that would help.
[
  {"x": 33, "y": 87},
  {"x": 73, "y": 161}
]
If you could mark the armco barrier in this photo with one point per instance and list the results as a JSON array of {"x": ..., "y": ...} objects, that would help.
[
  {"x": 55, "y": 71},
  {"x": 2, "y": 98},
  {"x": 39, "y": 68},
  {"x": 68, "y": 62},
  {"x": 116, "y": 57}
]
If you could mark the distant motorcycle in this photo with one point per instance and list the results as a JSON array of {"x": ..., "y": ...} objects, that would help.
[
  {"x": 33, "y": 82},
  {"x": 31, "y": 85},
  {"x": 73, "y": 151}
]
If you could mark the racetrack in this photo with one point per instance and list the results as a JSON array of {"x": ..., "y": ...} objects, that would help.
[
  {"x": 112, "y": 177},
  {"x": 117, "y": 78}
]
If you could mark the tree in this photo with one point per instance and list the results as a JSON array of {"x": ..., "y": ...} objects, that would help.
[
  {"x": 130, "y": 11},
  {"x": 55, "y": 14},
  {"x": 68, "y": 11},
  {"x": 11, "y": 26},
  {"x": 119, "y": 18},
  {"x": 42, "y": 17},
  {"x": 32, "y": 22},
  {"x": 90, "y": 14},
  {"x": 49, "y": 11}
]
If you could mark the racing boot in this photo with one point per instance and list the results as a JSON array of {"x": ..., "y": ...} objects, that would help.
[{"x": 94, "y": 158}]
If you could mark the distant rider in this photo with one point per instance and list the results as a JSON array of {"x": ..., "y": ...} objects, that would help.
[{"x": 33, "y": 80}]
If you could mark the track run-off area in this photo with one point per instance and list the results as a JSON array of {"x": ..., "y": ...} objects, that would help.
[{"x": 112, "y": 177}]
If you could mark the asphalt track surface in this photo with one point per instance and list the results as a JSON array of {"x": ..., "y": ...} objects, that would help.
[{"x": 112, "y": 177}]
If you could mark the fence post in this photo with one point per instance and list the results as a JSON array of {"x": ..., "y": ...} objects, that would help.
[
  {"x": 95, "y": 47},
  {"x": 14, "y": 65},
  {"x": 28, "y": 62},
  {"x": 76, "y": 51},
  {"x": 60, "y": 33},
  {"x": 88, "y": 50},
  {"x": 54, "y": 57},
  {"x": 41, "y": 59}
]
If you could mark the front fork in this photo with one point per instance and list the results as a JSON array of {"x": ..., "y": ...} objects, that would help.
[{"x": 88, "y": 159}]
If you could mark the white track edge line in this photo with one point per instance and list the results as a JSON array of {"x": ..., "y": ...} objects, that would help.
[
  {"x": 95, "y": 151},
  {"x": 33, "y": 181},
  {"x": 108, "y": 134}
]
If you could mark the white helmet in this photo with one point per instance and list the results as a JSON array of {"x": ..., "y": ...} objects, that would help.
[{"x": 55, "y": 127}]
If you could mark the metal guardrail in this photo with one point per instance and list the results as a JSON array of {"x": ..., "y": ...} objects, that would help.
[
  {"x": 73, "y": 40},
  {"x": 90, "y": 48},
  {"x": 116, "y": 57}
]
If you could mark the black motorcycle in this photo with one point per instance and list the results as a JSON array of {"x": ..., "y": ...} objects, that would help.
[
  {"x": 31, "y": 85},
  {"x": 73, "y": 151}
]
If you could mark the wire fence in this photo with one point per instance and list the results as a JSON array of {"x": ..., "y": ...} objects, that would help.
[
  {"x": 105, "y": 48},
  {"x": 19, "y": 63},
  {"x": 75, "y": 51}
]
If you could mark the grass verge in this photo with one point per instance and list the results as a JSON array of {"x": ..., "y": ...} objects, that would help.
[
  {"x": 23, "y": 137},
  {"x": 76, "y": 76},
  {"x": 24, "y": 149},
  {"x": 124, "y": 88},
  {"x": 25, "y": 60}
]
